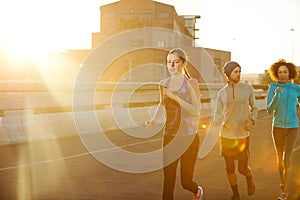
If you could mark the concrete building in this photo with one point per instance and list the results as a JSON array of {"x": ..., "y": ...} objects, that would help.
[{"x": 126, "y": 15}]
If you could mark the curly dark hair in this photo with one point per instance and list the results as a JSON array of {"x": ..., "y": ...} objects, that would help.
[{"x": 293, "y": 69}]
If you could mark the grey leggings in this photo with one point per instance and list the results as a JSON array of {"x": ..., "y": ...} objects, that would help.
[{"x": 284, "y": 142}]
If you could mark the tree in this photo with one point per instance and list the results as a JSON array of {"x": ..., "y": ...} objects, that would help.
[{"x": 266, "y": 79}]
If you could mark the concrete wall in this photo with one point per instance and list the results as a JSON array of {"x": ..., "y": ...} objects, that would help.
[{"x": 35, "y": 110}]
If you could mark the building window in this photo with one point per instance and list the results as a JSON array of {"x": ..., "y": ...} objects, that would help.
[
  {"x": 161, "y": 43},
  {"x": 163, "y": 15},
  {"x": 127, "y": 14},
  {"x": 189, "y": 23},
  {"x": 145, "y": 15}
]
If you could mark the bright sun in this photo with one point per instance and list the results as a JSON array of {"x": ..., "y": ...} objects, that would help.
[
  {"x": 22, "y": 33},
  {"x": 34, "y": 28},
  {"x": 21, "y": 52}
]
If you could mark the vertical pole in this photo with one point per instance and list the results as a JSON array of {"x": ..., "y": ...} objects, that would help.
[{"x": 292, "y": 43}]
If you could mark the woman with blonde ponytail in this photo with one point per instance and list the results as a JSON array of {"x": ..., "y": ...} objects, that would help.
[{"x": 180, "y": 97}]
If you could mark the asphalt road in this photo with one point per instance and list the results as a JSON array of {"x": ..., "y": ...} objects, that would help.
[{"x": 63, "y": 169}]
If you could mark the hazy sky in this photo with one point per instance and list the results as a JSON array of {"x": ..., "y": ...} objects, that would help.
[{"x": 257, "y": 32}]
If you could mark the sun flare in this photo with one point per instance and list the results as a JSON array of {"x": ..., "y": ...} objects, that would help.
[{"x": 23, "y": 53}]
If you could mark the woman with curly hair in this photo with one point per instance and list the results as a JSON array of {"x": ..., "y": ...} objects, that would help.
[{"x": 283, "y": 97}]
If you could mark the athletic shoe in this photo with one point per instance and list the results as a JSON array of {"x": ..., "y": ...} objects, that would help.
[
  {"x": 251, "y": 189},
  {"x": 199, "y": 194},
  {"x": 250, "y": 185},
  {"x": 283, "y": 196}
]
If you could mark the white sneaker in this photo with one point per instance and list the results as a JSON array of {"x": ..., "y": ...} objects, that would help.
[
  {"x": 199, "y": 195},
  {"x": 283, "y": 196}
]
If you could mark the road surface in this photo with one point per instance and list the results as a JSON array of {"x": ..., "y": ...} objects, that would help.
[{"x": 63, "y": 169}]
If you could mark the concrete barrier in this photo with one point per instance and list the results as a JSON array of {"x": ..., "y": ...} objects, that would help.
[{"x": 35, "y": 110}]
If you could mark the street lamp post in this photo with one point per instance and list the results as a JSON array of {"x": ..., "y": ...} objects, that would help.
[{"x": 292, "y": 41}]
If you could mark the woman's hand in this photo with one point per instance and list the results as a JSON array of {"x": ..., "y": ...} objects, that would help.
[
  {"x": 149, "y": 122},
  {"x": 278, "y": 89},
  {"x": 249, "y": 124},
  {"x": 169, "y": 93}
]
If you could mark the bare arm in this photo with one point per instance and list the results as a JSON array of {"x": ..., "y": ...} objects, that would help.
[{"x": 159, "y": 110}]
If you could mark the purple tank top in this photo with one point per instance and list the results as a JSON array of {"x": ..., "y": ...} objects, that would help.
[{"x": 179, "y": 121}]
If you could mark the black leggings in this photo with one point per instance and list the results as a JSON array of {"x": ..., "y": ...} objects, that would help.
[
  {"x": 239, "y": 151},
  {"x": 187, "y": 165},
  {"x": 243, "y": 166}
]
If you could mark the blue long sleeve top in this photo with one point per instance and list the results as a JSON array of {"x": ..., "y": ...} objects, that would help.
[{"x": 283, "y": 104}]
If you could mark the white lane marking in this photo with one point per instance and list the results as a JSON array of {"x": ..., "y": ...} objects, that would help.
[{"x": 76, "y": 155}]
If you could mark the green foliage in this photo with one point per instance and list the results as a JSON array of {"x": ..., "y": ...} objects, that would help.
[
  {"x": 297, "y": 80},
  {"x": 266, "y": 79}
]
